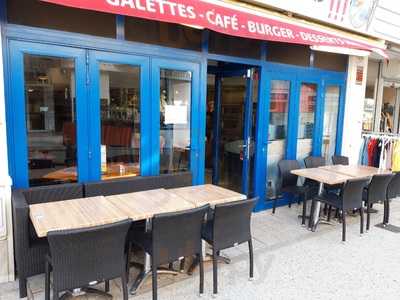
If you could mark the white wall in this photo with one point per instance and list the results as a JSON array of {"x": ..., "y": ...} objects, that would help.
[
  {"x": 6, "y": 241},
  {"x": 355, "y": 95}
]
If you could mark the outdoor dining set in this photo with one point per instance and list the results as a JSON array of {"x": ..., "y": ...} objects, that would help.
[
  {"x": 343, "y": 187},
  {"x": 85, "y": 234}
]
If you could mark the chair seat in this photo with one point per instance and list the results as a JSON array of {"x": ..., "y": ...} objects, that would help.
[
  {"x": 330, "y": 199},
  {"x": 295, "y": 190}
]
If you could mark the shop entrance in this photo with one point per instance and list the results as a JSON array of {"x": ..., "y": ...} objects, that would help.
[{"x": 232, "y": 93}]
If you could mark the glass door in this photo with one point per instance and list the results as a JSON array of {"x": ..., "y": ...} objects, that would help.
[
  {"x": 307, "y": 128},
  {"x": 47, "y": 140},
  {"x": 280, "y": 94},
  {"x": 119, "y": 136},
  {"x": 331, "y": 116},
  {"x": 231, "y": 101},
  {"x": 175, "y": 130}
]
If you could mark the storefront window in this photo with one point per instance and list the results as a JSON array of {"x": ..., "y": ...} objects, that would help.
[
  {"x": 389, "y": 108},
  {"x": 330, "y": 121},
  {"x": 370, "y": 96},
  {"x": 50, "y": 119},
  {"x": 175, "y": 108},
  {"x": 277, "y": 133},
  {"x": 308, "y": 96},
  {"x": 120, "y": 120}
]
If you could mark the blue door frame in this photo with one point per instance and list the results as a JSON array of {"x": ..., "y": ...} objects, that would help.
[
  {"x": 225, "y": 72},
  {"x": 95, "y": 58},
  {"x": 16, "y": 112},
  {"x": 57, "y": 43},
  {"x": 195, "y": 140}
]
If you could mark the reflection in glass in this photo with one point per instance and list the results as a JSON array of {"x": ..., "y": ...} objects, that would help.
[
  {"x": 120, "y": 120},
  {"x": 50, "y": 119},
  {"x": 308, "y": 96},
  {"x": 330, "y": 121},
  {"x": 277, "y": 132},
  {"x": 175, "y": 102},
  {"x": 388, "y": 107}
]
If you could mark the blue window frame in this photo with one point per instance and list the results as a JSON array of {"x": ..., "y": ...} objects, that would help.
[
  {"x": 16, "y": 111},
  {"x": 157, "y": 66},
  {"x": 95, "y": 59}
]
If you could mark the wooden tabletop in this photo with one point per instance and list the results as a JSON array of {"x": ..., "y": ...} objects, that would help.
[
  {"x": 356, "y": 171},
  {"x": 73, "y": 214},
  {"x": 144, "y": 205},
  {"x": 322, "y": 175},
  {"x": 201, "y": 195}
]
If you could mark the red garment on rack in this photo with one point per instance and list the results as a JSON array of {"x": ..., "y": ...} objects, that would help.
[{"x": 372, "y": 148}]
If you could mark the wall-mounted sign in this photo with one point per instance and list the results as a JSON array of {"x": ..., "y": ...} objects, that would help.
[
  {"x": 360, "y": 75},
  {"x": 176, "y": 114}
]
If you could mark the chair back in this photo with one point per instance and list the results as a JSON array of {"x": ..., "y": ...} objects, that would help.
[
  {"x": 393, "y": 190},
  {"x": 177, "y": 234},
  {"x": 81, "y": 256},
  {"x": 285, "y": 167},
  {"x": 232, "y": 223},
  {"x": 314, "y": 162},
  {"x": 137, "y": 184},
  {"x": 377, "y": 189},
  {"x": 340, "y": 160},
  {"x": 352, "y": 193},
  {"x": 53, "y": 193}
]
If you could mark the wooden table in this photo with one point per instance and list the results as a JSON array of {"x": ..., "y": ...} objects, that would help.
[
  {"x": 356, "y": 171},
  {"x": 144, "y": 205},
  {"x": 201, "y": 195},
  {"x": 333, "y": 175},
  {"x": 323, "y": 176},
  {"x": 73, "y": 214}
]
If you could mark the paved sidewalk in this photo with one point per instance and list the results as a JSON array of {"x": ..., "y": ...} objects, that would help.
[{"x": 290, "y": 263}]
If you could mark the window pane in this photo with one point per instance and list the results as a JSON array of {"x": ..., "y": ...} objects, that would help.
[
  {"x": 175, "y": 102},
  {"x": 120, "y": 120},
  {"x": 330, "y": 121},
  {"x": 308, "y": 96},
  {"x": 50, "y": 119},
  {"x": 277, "y": 132},
  {"x": 388, "y": 107}
]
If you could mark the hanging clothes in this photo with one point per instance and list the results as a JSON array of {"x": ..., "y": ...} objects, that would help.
[
  {"x": 372, "y": 148},
  {"x": 389, "y": 156},
  {"x": 396, "y": 157}
]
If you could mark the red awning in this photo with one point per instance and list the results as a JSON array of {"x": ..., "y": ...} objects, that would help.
[{"x": 225, "y": 18}]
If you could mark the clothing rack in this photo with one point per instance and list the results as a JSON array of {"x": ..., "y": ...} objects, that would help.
[
  {"x": 381, "y": 150},
  {"x": 384, "y": 135}
]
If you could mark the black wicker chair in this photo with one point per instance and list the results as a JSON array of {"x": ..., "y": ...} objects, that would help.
[
  {"x": 350, "y": 198},
  {"x": 81, "y": 256},
  {"x": 173, "y": 236},
  {"x": 137, "y": 184},
  {"x": 289, "y": 185},
  {"x": 340, "y": 160},
  {"x": 393, "y": 191},
  {"x": 229, "y": 227},
  {"x": 376, "y": 192},
  {"x": 30, "y": 250}
]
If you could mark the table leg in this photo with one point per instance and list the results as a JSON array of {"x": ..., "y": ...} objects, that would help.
[
  {"x": 315, "y": 213},
  {"x": 147, "y": 269}
]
